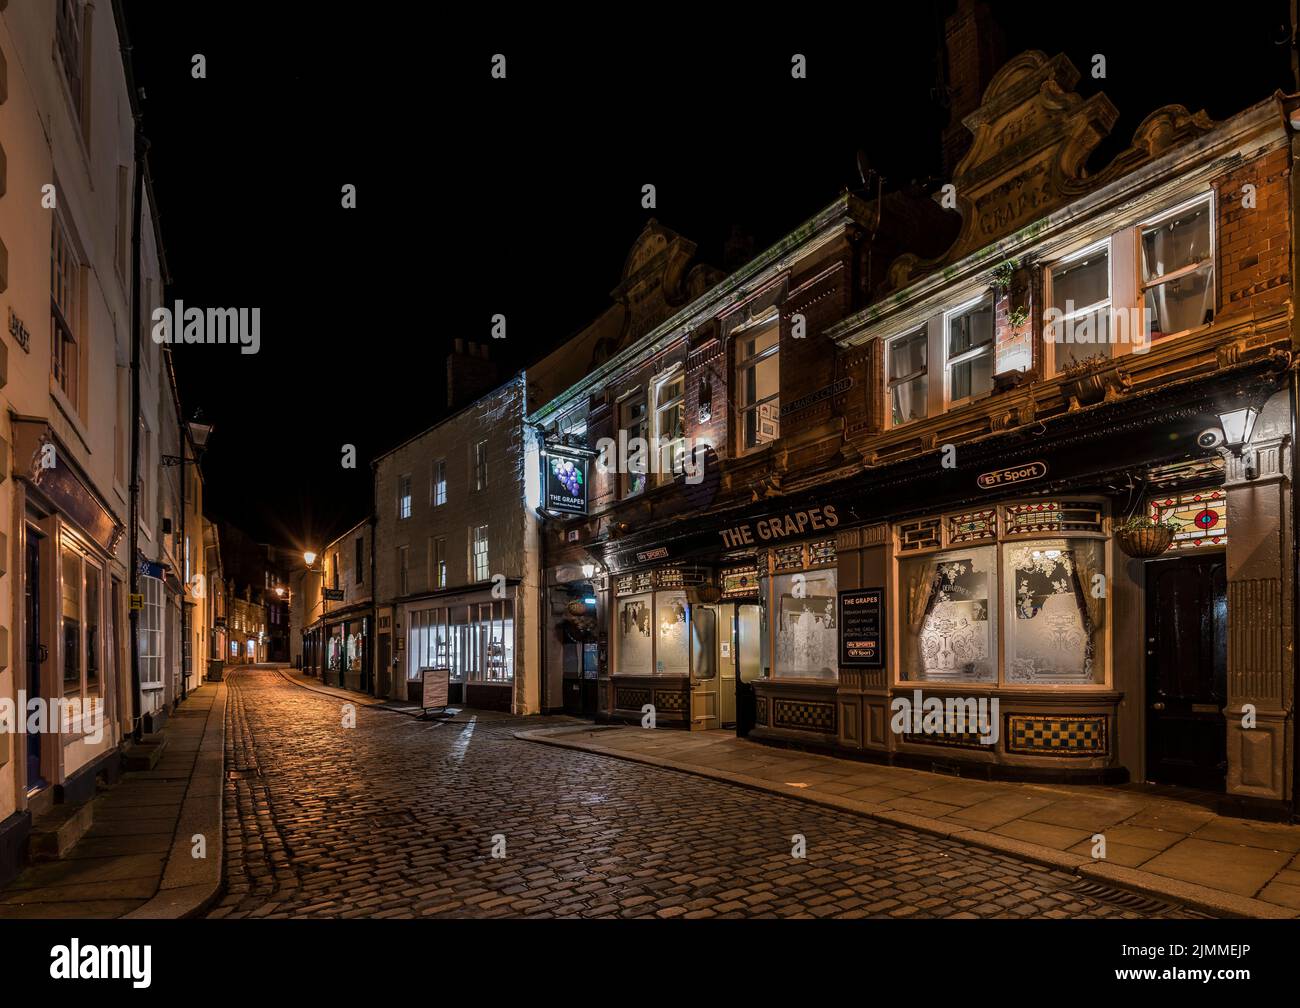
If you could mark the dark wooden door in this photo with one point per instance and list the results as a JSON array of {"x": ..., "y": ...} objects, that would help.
[
  {"x": 1187, "y": 671},
  {"x": 385, "y": 665}
]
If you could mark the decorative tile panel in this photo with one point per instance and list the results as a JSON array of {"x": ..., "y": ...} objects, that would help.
[
  {"x": 803, "y": 715},
  {"x": 1056, "y": 735},
  {"x": 973, "y": 526},
  {"x": 760, "y": 711},
  {"x": 631, "y": 697}
]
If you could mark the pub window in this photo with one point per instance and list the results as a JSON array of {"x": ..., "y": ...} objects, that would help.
[
  {"x": 1178, "y": 269},
  {"x": 65, "y": 312},
  {"x": 1037, "y": 587},
  {"x": 758, "y": 386},
  {"x": 1080, "y": 298},
  {"x": 803, "y": 614},
  {"x": 905, "y": 361},
  {"x": 653, "y": 634},
  {"x": 633, "y": 462},
  {"x": 670, "y": 425},
  {"x": 968, "y": 340}
]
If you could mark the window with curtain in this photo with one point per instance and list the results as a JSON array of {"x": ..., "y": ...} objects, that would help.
[
  {"x": 948, "y": 617},
  {"x": 1178, "y": 270},
  {"x": 1055, "y": 605},
  {"x": 905, "y": 361},
  {"x": 672, "y": 654},
  {"x": 635, "y": 630},
  {"x": 634, "y": 425}
]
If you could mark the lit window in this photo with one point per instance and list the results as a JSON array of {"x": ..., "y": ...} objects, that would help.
[
  {"x": 1080, "y": 326},
  {"x": 1178, "y": 270},
  {"x": 480, "y": 466},
  {"x": 969, "y": 343},
  {"x": 758, "y": 386},
  {"x": 670, "y": 426},
  {"x": 905, "y": 361},
  {"x": 633, "y": 462},
  {"x": 404, "y": 497},
  {"x": 479, "y": 554},
  {"x": 440, "y": 483}
]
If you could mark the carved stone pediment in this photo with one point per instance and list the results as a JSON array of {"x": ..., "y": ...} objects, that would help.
[{"x": 1032, "y": 139}]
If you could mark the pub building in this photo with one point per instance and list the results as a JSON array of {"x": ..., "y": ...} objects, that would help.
[{"x": 1044, "y": 472}]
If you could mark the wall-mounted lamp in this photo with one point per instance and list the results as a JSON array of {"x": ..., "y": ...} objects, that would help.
[
  {"x": 309, "y": 558},
  {"x": 1238, "y": 426}
]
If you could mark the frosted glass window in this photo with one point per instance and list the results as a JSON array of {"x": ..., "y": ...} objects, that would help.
[
  {"x": 1054, "y": 592},
  {"x": 803, "y": 611},
  {"x": 635, "y": 634},
  {"x": 671, "y": 653},
  {"x": 949, "y": 616}
]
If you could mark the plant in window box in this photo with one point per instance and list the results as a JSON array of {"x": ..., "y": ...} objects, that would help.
[
  {"x": 1141, "y": 537},
  {"x": 1002, "y": 276},
  {"x": 1083, "y": 380}
]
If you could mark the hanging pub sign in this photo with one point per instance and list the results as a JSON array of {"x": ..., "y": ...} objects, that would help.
[
  {"x": 1025, "y": 472},
  {"x": 862, "y": 626},
  {"x": 564, "y": 481},
  {"x": 332, "y": 594}
]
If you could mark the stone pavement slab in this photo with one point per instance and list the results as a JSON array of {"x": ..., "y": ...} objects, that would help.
[
  {"x": 136, "y": 860},
  {"x": 1163, "y": 845}
]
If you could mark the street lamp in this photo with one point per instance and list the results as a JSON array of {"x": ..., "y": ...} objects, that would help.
[
  {"x": 1238, "y": 426},
  {"x": 309, "y": 558}
]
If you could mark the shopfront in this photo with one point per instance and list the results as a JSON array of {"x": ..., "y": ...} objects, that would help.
[
  {"x": 346, "y": 646},
  {"x": 472, "y": 637}
]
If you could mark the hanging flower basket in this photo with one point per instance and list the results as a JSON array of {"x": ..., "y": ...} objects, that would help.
[{"x": 1142, "y": 541}]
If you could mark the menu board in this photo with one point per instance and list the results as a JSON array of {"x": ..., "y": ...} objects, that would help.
[{"x": 862, "y": 627}]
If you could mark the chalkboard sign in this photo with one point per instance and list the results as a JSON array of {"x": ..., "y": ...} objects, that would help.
[
  {"x": 862, "y": 627},
  {"x": 435, "y": 687}
]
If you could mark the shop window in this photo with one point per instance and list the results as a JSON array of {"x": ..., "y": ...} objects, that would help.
[
  {"x": 1178, "y": 269},
  {"x": 672, "y": 656},
  {"x": 968, "y": 337},
  {"x": 803, "y": 613},
  {"x": 758, "y": 386},
  {"x": 475, "y": 643},
  {"x": 479, "y": 554},
  {"x": 670, "y": 426},
  {"x": 1055, "y": 592},
  {"x": 72, "y": 620},
  {"x": 92, "y": 611},
  {"x": 1080, "y": 298},
  {"x": 1202, "y": 518},
  {"x": 150, "y": 633},
  {"x": 632, "y": 462},
  {"x": 905, "y": 362}
]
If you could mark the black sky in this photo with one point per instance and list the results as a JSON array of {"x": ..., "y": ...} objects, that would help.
[{"x": 478, "y": 196}]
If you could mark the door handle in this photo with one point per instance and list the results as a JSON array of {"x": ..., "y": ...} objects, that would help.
[{"x": 1158, "y": 705}]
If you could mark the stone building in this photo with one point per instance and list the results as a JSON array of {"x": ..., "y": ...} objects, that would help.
[
  {"x": 1016, "y": 504},
  {"x": 334, "y": 606}
]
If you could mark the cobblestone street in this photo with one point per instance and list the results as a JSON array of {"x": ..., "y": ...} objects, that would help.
[{"x": 396, "y": 818}]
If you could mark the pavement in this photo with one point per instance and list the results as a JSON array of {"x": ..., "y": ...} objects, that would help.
[
  {"x": 138, "y": 858},
  {"x": 1161, "y": 842},
  {"x": 337, "y": 808}
]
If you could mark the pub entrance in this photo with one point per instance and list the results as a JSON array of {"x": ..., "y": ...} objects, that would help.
[{"x": 1187, "y": 660}]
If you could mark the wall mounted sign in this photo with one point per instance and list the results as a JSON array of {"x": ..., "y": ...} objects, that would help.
[
  {"x": 19, "y": 332},
  {"x": 564, "y": 479},
  {"x": 789, "y": 525},
  {"x": 862, "y": 627},
  {"x": 658, "y": 553},
  {"x": 332, "y": 594},
  {"x": 821, "y": 395},
  {"x": 1025, "y": 472}
]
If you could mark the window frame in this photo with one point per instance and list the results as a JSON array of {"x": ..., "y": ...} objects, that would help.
[
  {"x": 1051, "y": 367},
  {"x": 67, "y": 281},
  {"x": 405, "y": 506},
  {"x": 639, "y": 395},
  {"x": 670, "y": 460},
  {"x": 752, "y": 331},
  {"x": 474, "y": 553},
  {"x": 967, "y": 356},
  {"x": 1209, "y": 263},
  {"x": 923, "y": 331},
  {"x": 479, "y": 464},
  {"x": 438, "y": 493}
]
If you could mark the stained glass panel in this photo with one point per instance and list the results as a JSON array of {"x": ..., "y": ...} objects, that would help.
[{"x": 1202, "y": 518}]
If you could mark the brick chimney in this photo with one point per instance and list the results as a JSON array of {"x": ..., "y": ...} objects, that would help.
[
  {"x": 470, "y": 373},
  {"x": 976, "y": 49}
]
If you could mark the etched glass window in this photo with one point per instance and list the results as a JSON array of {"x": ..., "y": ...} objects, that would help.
[
  {"x": 671, "y": 651},
  {"x": 949, "y": 617},
  {"x": 803, "y": 613},
  {"x": 635, "y": 630},
  {"x": 1054, "y": 590}
]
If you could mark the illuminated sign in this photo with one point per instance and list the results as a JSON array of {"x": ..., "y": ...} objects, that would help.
[
  {"x": 1012, "y": 475},
  {"x": 564, "y": 482}
]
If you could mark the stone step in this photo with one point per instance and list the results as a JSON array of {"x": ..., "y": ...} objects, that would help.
[
  {"x": 145, "y": 754},
  {"x": 55, "y": 832}
]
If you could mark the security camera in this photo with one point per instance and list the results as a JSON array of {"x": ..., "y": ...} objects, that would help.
[{"x": 1212, "y": 438}]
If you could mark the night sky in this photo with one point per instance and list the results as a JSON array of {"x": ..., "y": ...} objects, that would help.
[{"x": 522, "y": 196}]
